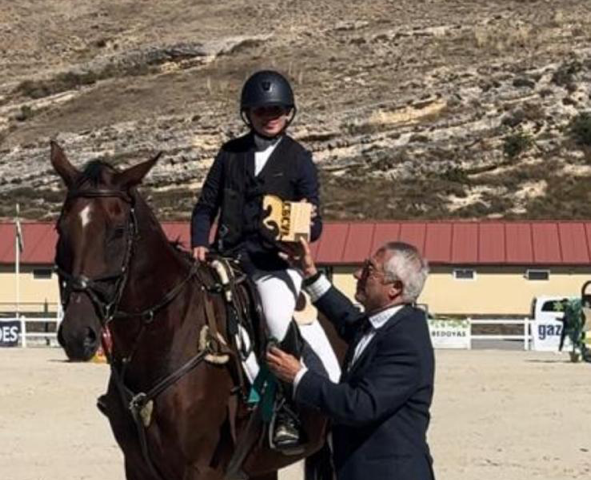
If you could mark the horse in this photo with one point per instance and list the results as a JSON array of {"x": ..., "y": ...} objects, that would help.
[{"x": 173, "y": 414}]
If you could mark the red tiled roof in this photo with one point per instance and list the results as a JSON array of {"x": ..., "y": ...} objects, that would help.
[{"x": 349, "y": 243}]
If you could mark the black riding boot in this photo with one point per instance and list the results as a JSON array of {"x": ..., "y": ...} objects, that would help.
[{"x": 287, "y": 434}]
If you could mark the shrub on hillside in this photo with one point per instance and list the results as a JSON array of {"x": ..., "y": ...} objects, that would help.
[
  {"x": 580, "y": 129},
  {"x": 456, "y": 175},
  {"x": 516, "y": 143},
  {"x": 24, "y": 114}
]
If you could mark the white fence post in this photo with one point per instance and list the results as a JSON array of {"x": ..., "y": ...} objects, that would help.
[
  {"x": 23, "y": 321},
  {"x": 469, "y": 333},
  {"x": 59, "y": 316},
  {"x": 526, "y": 334}
]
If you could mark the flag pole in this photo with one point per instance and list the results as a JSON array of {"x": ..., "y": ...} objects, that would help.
[{"x": 17, "y": 250}]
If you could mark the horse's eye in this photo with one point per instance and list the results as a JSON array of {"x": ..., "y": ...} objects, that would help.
[{"x": 118, "y": 233}]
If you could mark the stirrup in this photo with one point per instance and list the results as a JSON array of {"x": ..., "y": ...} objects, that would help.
[{"x": 286, "y": 447}]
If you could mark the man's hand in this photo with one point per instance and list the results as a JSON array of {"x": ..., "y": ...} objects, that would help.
[
  {"x": 284, "y": 366},
  {"x": 299, "y": 256},
  {"x": 200, "y": 253}
]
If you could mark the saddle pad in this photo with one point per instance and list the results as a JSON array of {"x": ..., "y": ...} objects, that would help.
[
  {"x": 318, "y": 354},
  {"x": 305, "y": 311}
]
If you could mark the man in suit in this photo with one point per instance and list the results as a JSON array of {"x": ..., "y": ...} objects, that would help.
[{"x": 380, "y": 407}]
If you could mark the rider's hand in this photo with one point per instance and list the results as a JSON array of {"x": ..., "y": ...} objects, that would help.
[
  {"x": 314, "y": 211},
  {"x": 199, "y": 253}
]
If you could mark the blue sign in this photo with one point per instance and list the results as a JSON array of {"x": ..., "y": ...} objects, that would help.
[{"x": 10, "y": 332}]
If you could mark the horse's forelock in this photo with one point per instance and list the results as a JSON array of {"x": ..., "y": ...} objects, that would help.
[{"x": 93, "y": 172}]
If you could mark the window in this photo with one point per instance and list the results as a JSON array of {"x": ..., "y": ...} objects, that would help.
[
  {"x": 464, "y": 274},
  {"x": 42, "y": 273},
  {"x": 537, "y": 274}
]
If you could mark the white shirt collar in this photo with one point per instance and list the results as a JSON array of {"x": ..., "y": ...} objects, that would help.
[{"x": 378, "y": 320}]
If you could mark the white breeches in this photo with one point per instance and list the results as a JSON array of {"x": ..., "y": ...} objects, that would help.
[{"x": 279, "y": 291}]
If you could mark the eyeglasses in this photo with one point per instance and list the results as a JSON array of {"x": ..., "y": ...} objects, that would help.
[
  {"x": 368, "y": 269},
  {"x": 274, "y": 111}
]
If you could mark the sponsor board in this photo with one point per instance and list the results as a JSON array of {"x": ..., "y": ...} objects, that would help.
[
  {"x": 10, "y": 332},
  {"x": 448, "y": 333},
  {"x": 546, "y": 334}
]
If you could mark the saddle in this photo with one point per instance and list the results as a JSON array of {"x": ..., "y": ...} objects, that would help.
[
  {"x": 256, "y": 406},
  {"x": 245, "y": 326}
]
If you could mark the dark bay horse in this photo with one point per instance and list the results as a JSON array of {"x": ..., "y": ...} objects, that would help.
[{"x": 174, "y": 415}]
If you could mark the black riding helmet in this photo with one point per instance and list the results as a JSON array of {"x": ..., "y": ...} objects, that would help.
[{"x": 266, "y": 88}]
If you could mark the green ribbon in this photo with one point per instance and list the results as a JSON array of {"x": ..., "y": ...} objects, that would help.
[{"x": 263, "y": 391}]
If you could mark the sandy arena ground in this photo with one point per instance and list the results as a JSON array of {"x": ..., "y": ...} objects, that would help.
[{"x": 498, "y": 415}]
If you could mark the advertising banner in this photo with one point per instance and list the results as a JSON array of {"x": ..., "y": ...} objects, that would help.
[
  {"x": 450, "y": 333},
  {"x": 546, "y": 335},
  {"x": 10, "y": 331}
]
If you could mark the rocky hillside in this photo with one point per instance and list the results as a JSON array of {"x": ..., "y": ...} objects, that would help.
[{"x": 413, "y": 109}]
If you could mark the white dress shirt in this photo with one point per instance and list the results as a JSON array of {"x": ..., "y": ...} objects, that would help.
[
  {"x": 264, "y": 149},
  {"x": 378, "y": 320}
]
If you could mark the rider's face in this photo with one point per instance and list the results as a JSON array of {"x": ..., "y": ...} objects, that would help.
[{"x": 269, "y": 121}]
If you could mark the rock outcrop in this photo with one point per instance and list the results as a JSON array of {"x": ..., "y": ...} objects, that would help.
[{"x": 413, "y": 109}]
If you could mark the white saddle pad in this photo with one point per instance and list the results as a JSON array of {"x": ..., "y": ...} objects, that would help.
[{"x": 316, "y": 338}]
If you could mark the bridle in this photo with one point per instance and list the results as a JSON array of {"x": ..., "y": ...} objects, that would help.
[
  {"x": 96, "y": 287},
  {"x": 108, "y": 309}
]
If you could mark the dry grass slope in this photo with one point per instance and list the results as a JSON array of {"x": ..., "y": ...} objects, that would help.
[{"x": 412, "y": 109}]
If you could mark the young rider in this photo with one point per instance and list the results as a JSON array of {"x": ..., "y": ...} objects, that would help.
[{"x": 264, "y": 161}]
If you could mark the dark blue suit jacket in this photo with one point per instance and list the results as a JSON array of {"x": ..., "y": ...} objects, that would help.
[{"x": 380, "y": 408}]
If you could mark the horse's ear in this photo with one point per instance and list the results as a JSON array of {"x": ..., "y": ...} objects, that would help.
[
  {"x": 134, "y": 175},
  {"x": 62, "y": 165}
]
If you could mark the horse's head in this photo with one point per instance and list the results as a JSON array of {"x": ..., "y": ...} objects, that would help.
[{"x": 96, "y": 231}]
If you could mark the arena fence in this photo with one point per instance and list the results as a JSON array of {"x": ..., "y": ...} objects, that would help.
[
  {"x": 27, "y": 332},
  {"x": 462, "y": 333},
  {"x": 500, "y": 330},
  {"x": 24, "y": 331}
]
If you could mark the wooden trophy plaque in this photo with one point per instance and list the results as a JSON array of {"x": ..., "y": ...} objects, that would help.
[{"x": 287, "y": 221}]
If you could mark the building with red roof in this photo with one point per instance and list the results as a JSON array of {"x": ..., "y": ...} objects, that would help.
[{"x": 477, "y": 267}]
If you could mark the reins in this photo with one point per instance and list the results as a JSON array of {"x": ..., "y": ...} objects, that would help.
[{"x": 138, "y": 403}]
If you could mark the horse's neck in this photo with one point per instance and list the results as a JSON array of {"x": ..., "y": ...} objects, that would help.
[
  {"x": 156, "y": 270},
  {"x": 155, "y": 267}
]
